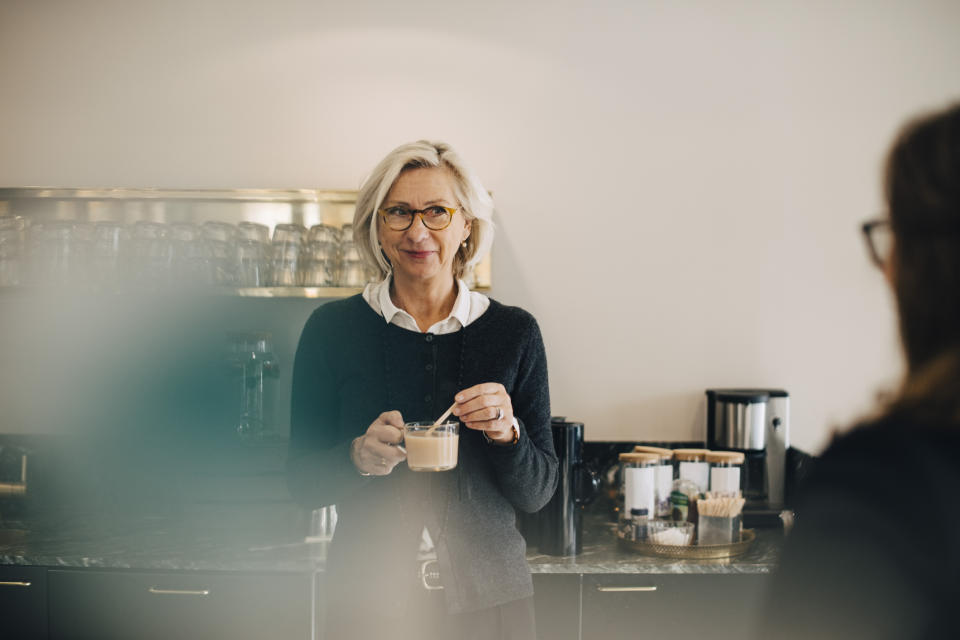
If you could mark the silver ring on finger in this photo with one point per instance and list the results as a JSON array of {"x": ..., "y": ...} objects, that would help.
[
  {"x": 499, "y": 413},
  {"x": 383, "y": 462}
]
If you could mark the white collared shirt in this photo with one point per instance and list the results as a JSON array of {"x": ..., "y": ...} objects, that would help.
[{"x": 468, "y": 306}]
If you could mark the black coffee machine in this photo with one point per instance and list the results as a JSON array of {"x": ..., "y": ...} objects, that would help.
[
  {"x": 756, "y": 422},
  {"x": 557, "y": 529}
]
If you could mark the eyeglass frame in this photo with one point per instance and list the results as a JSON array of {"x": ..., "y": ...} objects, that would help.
[
  {"x": 868, "y": 229},
  {"x": 419, "y": 212}
]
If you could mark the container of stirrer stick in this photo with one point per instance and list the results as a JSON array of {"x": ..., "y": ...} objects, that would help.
[{"x": 719, "y": 520}]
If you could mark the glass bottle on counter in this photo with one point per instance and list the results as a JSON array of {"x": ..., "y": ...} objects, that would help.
[
  {"x": 638, "y": 487},
  {"x": 252, "y": 354},
  {"x": 663, "y": 479},
  {"x": 639, "y": 519},
  {"x": 725, "y": 472}
]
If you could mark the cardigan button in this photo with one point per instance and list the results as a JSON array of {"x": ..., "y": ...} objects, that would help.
[
  {"x": 429, "y": 366},
  {"x": 427, "y": 398},
  {"x": 429, "y": 337}
]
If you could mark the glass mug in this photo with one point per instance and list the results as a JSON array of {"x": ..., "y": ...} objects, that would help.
[{"x": 434, "y": 452}]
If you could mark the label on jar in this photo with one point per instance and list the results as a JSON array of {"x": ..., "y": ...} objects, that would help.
[
  {"x": 664, "y": 483},
  {"x": 725, "y": 479},
  {"x": 696, "y": 472},
  {"x": 640, "y": 489}
]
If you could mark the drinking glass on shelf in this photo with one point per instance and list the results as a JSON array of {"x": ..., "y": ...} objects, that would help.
[
  {"x": 51, "y": 252},
  {"x": 105, "y": 253},
  {"x": 320, "y": 264},
  {"x": 349, "y": 252},
  {"x": 319, "y": 273},
  {"x": 82, "y": 250},
  {"x": 152, "y": 253},
  {"x": 326, "y": 251},
  {"x": 221, "y": 240},
  {"x": 353, "y": 273},
  {"x": 185, "y": 233},
  {"x": 11, "y": 250},
  {"x": 192, "y": 264},
  {"x": 287, "y": 240},
  {"x": 253, "y": 262},
  {"x": 323, "y": 233},
  {"x": 346, "y": 233},
  {"x": 220, "y": 231},
  {"x": 254, "y": 231}
]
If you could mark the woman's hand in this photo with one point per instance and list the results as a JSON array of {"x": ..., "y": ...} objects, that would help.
[
  {"x": 487, "y": 407},
  {"x": 376, "y": 452}
]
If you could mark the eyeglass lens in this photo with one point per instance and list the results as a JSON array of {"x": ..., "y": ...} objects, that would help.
[{"x": 400, "y": 218}]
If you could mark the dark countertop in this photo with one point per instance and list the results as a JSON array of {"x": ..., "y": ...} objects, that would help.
[
  {"x": 233, "y": 541},
  {"x": 213, "y": 540}
]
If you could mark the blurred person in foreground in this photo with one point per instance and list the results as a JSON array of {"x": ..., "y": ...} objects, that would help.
[
  {"x": 875, "y": 552},
  {"x": 405, "y": 349}
]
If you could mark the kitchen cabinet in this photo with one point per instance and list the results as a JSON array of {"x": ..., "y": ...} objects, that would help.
[
  {"x": 131, "y": 604},
  {"x": 556, "y": 602},
  {"x": 23, "y": 602},
  {"x": 718, "y": 606},
  {"x": 632, "y": 605}
]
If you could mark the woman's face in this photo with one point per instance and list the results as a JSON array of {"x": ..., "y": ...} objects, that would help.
[{"x": 419, "y": 253}]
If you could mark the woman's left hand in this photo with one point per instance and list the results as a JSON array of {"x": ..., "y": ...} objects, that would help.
[{"x": 486, "y": 407}]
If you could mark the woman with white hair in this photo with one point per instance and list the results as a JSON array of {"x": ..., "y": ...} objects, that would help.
[{"x": 404, "y": 350}]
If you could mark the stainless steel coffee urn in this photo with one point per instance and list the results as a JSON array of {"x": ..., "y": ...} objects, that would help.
[{"x": 756, "y": 422}]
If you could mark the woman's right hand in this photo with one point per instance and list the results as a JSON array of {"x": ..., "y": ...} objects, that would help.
[{"x": 377, "y": 451}]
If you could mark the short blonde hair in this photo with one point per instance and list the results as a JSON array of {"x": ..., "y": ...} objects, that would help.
[{"x": 475, "y": 203}]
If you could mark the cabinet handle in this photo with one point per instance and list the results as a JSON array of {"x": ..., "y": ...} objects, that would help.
[
  {"x": 14, "y": 583},
  {"x": 606, "y": 589},
  {"x": 179, "y": 592}
]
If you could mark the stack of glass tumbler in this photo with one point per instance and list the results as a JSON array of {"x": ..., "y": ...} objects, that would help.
[{"x": 112, "y": 255}]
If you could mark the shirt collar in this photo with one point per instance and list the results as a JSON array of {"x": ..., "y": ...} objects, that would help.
[
  {"x": 461, "y": 306},
  {"x": 460, "y": 311}
]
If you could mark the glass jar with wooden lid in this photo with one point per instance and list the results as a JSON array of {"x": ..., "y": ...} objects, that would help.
[
  {"x": 692, "y": 465},
  {"x": 638, "y": 487},
  {"x": 663, "y": 478},
  {"x": 726, "y": 469}
]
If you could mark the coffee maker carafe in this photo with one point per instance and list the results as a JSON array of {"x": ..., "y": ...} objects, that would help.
[{"x": 756, "y": 422}]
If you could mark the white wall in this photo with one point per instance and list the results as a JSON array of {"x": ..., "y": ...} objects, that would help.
[{"x": 679, "y": 184}]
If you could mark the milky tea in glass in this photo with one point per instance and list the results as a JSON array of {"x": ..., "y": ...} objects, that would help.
[{"x": 436, "y": 451}]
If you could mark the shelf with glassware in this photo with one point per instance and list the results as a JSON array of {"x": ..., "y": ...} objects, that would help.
[{"x": 264, "y": 243}]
